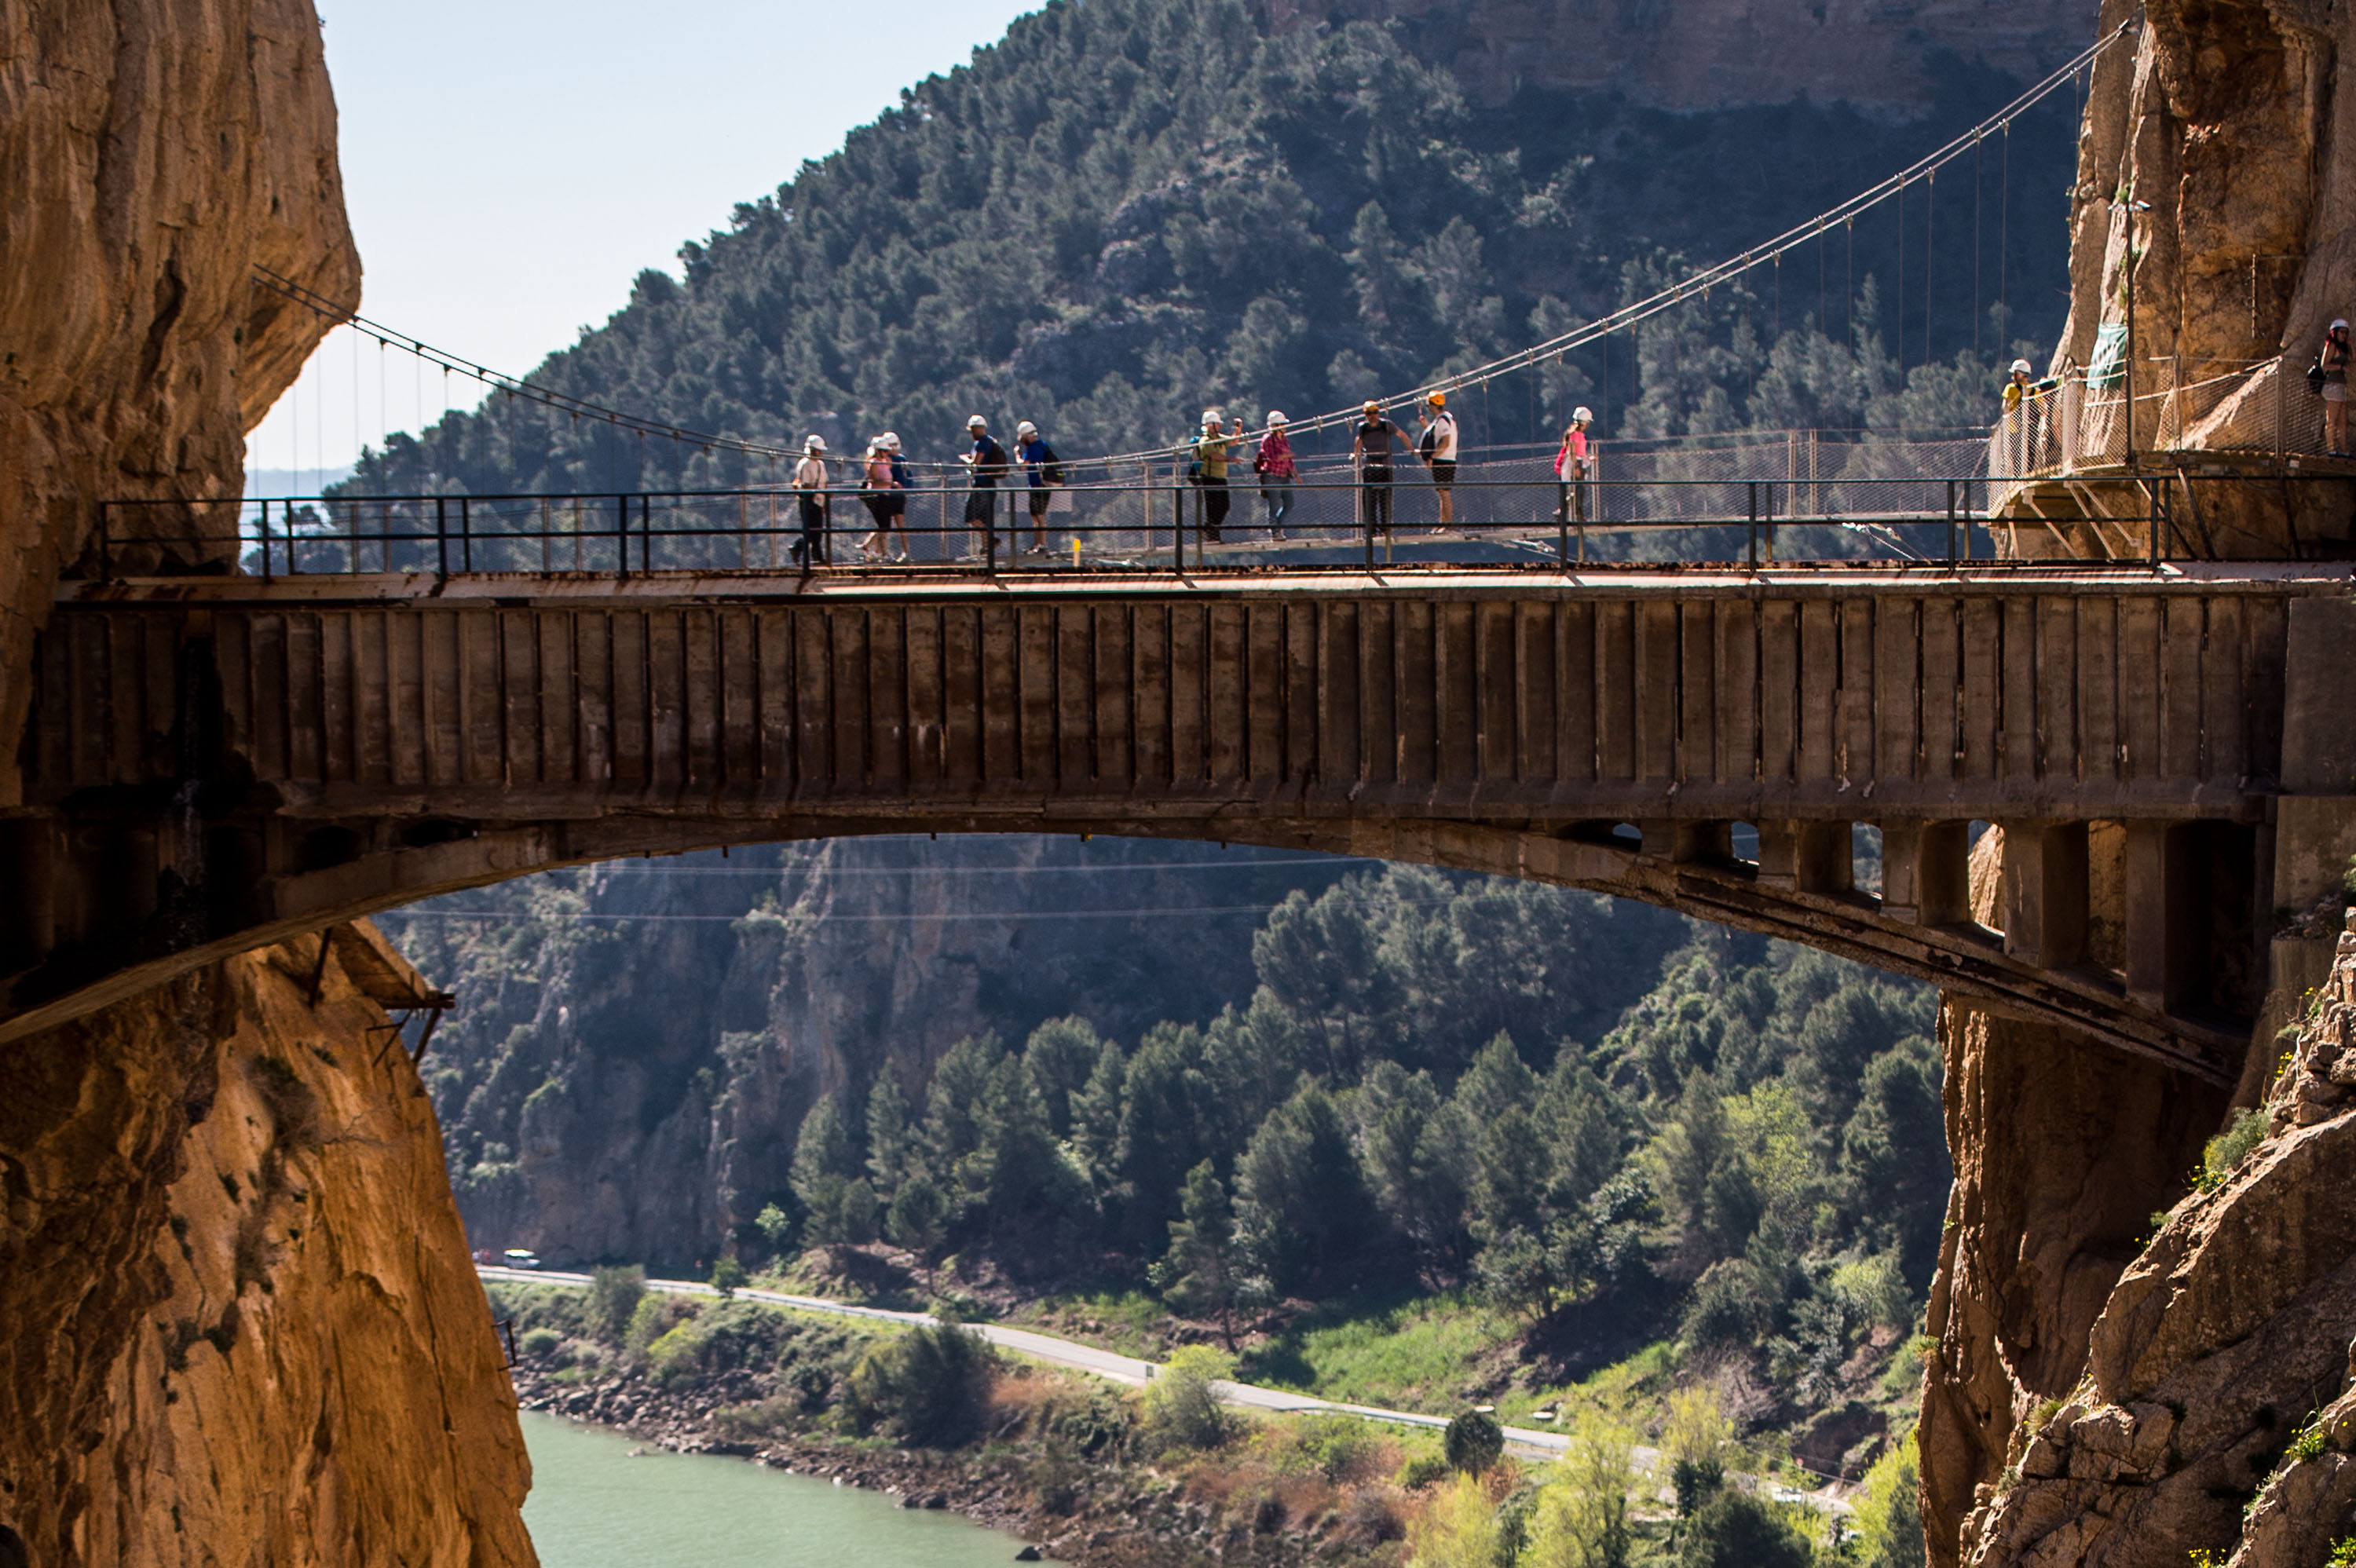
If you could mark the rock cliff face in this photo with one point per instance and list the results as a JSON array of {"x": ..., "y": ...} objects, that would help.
[
  {"x": 1719, "y": 54},
  {"x": 151, "y": 152},
  {"x": 241, "y": 1320},
  {"x": 2216, "y": 1411}
]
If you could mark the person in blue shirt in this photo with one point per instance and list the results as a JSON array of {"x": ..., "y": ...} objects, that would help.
[
  {"x": 986, "y": 464},
  {"x": 1044, "y": 471}
]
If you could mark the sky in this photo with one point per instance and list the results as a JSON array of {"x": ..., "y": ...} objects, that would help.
[{"x": 510, "y": 166}]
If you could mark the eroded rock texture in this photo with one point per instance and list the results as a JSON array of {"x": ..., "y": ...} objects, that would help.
[
  {"x": 243, "y": 1324},
  {"x": 2220, "y": 1343},
  {"x": 151, "y": 152}
]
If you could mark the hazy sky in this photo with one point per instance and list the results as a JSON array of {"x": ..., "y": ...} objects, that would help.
[{"x": 510, "y": 165}]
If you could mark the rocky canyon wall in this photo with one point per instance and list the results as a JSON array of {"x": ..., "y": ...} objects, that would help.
[
  {"x": 243, "y": 1324},
  {"x": 152, "y": 152}
]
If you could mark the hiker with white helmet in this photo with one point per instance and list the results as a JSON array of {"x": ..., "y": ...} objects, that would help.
[
  {"x": 986, "y": 464},
  {"x": 1435, "y": 444},
  {"x": 2334, "y": 362},
  {"x": 2017, "y": 387},
  {"x": 2021, "y": 415},
  {"x": 877, "y": 489},
  {"x": 1573, "y": 466},
  {"x": 1044, "y": 471},
  {"x": 1274, "y": 465},
  {"x": 809, "y": 489},
  {"x": 903, "y": 481},
  {"x": 1209, "y": 472}
]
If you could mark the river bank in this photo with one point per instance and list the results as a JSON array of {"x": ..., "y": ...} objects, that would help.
[{"x": 1054, "y": 1458}]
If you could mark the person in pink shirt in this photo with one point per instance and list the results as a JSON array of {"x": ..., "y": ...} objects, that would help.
[
  {"x": 1273, "y": 464},
  {"x": 1573, "y": 466}
]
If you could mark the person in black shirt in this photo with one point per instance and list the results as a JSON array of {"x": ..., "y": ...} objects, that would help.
[
  {"x": 1372, "y": 453},
  {"x": 987, "y": 462}
]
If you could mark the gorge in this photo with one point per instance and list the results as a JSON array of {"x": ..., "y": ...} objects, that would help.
[{"x": 229, "y": 1232}]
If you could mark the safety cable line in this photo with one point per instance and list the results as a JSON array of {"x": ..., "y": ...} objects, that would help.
[
  {"x": 514, "y": 386},
  {"x": 1696, "y": 285}
]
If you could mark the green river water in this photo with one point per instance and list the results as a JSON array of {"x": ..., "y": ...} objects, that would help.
[{"x": 593, "y": 1506}]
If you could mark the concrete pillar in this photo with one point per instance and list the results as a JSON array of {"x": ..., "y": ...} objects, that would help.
[
  {"x": 1684, "y": 842},
  {"x": 2164, "y": 921},
  {"x": 29, "y": 870},
  {"x": 2045, "y": 887},
  {"x": 1926, "y": 872},
  {"x": 1806, "y": 857}
]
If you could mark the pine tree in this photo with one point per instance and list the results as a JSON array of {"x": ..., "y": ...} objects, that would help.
[
  {"x": 890, "y": 1146},
  {"x": 1197, "y": 1274}
]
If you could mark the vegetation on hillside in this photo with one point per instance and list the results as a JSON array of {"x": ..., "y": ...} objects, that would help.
[{"x": 1129, "y": 211}]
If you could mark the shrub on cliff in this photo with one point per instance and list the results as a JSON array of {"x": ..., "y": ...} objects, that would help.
[
  {"x": 614, "y": 1296},
  {"x": 1473, "y": 1441},
  {"x": 1182, "y": 1405},
  {"x": 927, "y": 1388}
]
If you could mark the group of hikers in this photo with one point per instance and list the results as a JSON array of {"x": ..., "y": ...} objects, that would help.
[{"x": 885, "y": 478}]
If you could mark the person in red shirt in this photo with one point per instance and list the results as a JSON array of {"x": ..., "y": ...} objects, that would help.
[
  {"x": 1573, "y": 466},
  {"x": 1273, "y": 463}
]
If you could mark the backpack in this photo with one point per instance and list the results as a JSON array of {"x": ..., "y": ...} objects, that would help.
[
  {"x": 2315, "y": 378},
  {"x": 1428, "y": 443},
  {"x": 1051, "y": 467}
]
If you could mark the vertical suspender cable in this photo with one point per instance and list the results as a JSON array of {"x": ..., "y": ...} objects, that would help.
[
  {"x": 1976, "y": 247},
  {"x": 1930, "y": 260},
  {"x": 1901, "y": 332},
  {"x": 2003, "y": 237}
]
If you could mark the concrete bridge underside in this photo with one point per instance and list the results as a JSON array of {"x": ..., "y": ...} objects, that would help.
[{"x": 217, "y": 763}]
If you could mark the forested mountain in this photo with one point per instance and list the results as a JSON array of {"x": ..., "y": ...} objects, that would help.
[{"x": 1128, "y": 210}]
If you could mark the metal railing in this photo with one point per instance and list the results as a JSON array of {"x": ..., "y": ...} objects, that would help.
[
  {"x": 2081, "y": 425},
  {"x": 1166, "y": 522}
]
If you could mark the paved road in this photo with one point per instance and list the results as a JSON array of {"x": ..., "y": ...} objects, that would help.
[
  {"x": 1129, "y": 1370},
  {"x": 1071, "y": 1353}
]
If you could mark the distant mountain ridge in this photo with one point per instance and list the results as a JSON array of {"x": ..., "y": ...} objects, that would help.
[
  {"x": 1687, "y": 55},
  {"x": 1127, "y": 211}
]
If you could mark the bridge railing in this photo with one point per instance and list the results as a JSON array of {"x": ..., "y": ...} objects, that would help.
[
  {"x": 1643, "y": 509},
  {"x": 2080, "y": 424}
]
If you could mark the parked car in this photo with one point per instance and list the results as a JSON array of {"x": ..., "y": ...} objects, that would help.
[{"x": 521, "y": 1257}]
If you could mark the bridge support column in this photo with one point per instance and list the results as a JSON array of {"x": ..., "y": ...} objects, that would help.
[
  {"x": 1926, "y": 872},
  {"x": 2045, "y": 892},
  {"x": 1806, "y": 857},
  {"x": 2163, "y": 923},
  {"x": 1684, "y": 843}
]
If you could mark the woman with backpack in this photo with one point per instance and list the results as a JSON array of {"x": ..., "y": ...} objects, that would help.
[
  {"x": 1273, "y": 463},
  {"x": 876, "y": 487},
  {"x": 1209, "y": 472},
  {"x": 903, "y": 481},
  {"x": 809, "y": 490}
]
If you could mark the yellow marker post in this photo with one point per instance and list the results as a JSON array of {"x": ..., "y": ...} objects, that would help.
[{"x": 1075, "y": 552}]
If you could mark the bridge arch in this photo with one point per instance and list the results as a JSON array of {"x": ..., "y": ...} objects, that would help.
[{"x": 215, "y": 763}]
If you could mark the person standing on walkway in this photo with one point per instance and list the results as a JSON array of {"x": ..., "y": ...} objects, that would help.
[
  {"x": 809, "y": 490},
  {"x": 1572, "y": 466},
  {"x": 1436, "y": 446},
  {"x": 1273, "y": 463},
  {"x": 2334, "y": 360},
  {"x": 903, "y": 481},
  {"x": 985, "y": 465},
  {"x": 876, "y": 487},
  {"x": 1370, "y": 450},
  {"x": 1210, "y": 471},
  {"x": 1043, "y": 471}
]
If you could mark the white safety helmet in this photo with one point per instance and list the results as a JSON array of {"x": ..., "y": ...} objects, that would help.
[
  {"x": 1212, "y": 416},
  {"x": 1582, "y": 415},
  {"x": 1275, "y": 419},
  {"x": 976, "y": 423},
  {"x": 814, "y": 444},
  {"x": 2340, "y": 325},
  {"x": 2020, "y": 368},
  {"x": 1026, "y": 429},
  {"x": 890, "y": 441}
]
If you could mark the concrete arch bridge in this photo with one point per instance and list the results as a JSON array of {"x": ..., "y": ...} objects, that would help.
[{"x": 216, "y": 762}]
